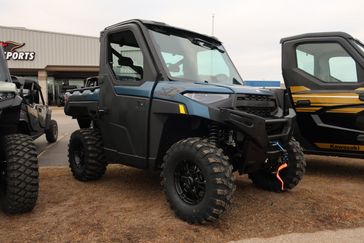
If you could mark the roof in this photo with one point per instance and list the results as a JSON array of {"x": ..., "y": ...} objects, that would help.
[
  {"x": 318, "y": 34},
  {"x": 150, "y": 23}
]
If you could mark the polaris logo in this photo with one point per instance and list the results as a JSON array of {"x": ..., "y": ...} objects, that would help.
[{"x": 11, "y": 52}]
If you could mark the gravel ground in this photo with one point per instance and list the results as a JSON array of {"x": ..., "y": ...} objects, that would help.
[{"x": 127, "y": 205}]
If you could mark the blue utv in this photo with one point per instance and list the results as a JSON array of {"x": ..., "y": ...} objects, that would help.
[{"x": 171, "y": 99}]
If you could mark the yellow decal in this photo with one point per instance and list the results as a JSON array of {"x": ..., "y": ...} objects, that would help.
[
  {"x": 319, "y": 100},
  {"x": 182, "y": 109},
  {"x": 342, "y": 147},
  {"x": 350, "y": 110},
  {"x": 295, "y": 89},
  {"x": 347, "y": 110},
  {"x": 329, "y": 99},
  {"x": 308, "y": 109}
]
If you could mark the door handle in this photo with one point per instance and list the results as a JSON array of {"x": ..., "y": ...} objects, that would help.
[
  {"x": 361, "y": 96},
  {"x": 303, "y": 103}
]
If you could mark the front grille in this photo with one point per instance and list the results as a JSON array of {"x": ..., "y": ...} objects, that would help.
[{"x": 259, "y": 105}]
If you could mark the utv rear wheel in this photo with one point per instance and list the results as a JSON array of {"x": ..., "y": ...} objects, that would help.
[
  {"x": 18, "y": 174},
  {"x": 197, "y": 180},
  {"x": 52, "y": 132},
  {"x": 86, "y": 155},
  {"x": 291, "y": 176}
]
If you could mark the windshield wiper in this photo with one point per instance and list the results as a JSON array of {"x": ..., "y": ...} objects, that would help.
[{"x": 206, "y": 44}]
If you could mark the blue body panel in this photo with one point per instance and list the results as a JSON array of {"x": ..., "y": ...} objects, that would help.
[
  {"x": 144, "y": 90},
  {"x": 171, "y": 91},
  {"x": 263, "y": 84}
]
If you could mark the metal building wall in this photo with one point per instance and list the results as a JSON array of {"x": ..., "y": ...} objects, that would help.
[{"x": 52, "y": 48}]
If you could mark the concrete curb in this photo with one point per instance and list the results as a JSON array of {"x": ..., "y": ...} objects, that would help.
[{"x": 327, "y": 236}]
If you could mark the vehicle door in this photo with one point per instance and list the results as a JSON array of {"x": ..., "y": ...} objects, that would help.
[
  {"x": 40, "y": 106},
  {"x": 29, "y": 106},
  {"x": 36, "y": 109},
  {"x": 126, "y": 80},
  {"x": 325, "y": 77}
]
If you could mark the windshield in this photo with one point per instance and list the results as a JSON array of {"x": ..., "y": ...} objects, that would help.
[{"x": 195, "y": 59}]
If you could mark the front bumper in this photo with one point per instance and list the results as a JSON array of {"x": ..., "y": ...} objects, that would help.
[
  {"x": 262, "y": 134},
  {"x": 260, "y": 130}
]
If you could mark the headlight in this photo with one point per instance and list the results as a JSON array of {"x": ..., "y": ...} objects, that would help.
[
  {"x": 6, "y": 96},
  {"x": 207, "y": 98}
]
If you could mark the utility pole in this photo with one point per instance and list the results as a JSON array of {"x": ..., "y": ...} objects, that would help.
[{"x": 213, "y": 25}]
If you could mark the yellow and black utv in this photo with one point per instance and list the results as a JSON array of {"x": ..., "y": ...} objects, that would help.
[{"x": 324, "y": 75}]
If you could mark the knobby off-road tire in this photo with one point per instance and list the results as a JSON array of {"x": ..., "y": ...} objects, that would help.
[
  {"x": 86, "y": 155},
  {"x": 52, "y": 132},
  {"x": 291, "y": 175},
  {"x": 195, "y": 161},
  {"x": 19, "y": 178}
]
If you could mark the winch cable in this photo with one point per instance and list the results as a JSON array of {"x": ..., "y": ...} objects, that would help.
[{"x": 281, "y": 167}]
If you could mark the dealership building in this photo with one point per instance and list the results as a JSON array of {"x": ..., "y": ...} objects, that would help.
[{"x": 59, "y": 61}]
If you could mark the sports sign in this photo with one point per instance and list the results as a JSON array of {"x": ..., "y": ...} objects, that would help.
[{"x": 12, "y": 53}]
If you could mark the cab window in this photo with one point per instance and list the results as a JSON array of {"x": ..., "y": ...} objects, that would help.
[
  {"x": 329, "y": 62},
  {"x": 125, "y": 57}
]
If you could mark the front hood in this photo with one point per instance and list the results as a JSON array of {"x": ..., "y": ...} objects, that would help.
[
  {"x": 239, "y": 89},
  {"x": 172, "y": 88}
]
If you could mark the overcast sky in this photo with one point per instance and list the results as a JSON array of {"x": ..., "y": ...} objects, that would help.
[{"x": 249, "y": 29}]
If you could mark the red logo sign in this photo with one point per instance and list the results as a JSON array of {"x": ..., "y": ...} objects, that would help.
[{"x": 11, "y": 52}]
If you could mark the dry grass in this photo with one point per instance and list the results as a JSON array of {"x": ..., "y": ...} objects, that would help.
[{"x": 127, "y": 205}]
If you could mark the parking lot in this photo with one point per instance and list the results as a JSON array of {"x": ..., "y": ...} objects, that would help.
[{"x": 128, "y": 205}]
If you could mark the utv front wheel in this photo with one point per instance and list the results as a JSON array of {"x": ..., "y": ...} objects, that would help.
[
  {"x": 86, "y": 155},
  {"x": 291, "y": 175},
  {"x": 197, "y": 180},
  {"x": 18, "y": 174},
  {"x": 52, "y": 132}
]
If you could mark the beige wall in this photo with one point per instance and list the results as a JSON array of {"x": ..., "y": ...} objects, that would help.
[{"x": 52, "y": 48}]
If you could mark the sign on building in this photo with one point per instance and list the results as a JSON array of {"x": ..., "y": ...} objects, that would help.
[{"x": 12, "y": 53}]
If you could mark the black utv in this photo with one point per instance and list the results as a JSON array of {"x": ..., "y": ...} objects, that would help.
[
  {"x": 170, "y": 99},
  {"x": 18, "y": 155},
  {"x": 23, "y": 117}
]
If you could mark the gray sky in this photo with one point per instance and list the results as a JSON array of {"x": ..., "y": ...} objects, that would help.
[{"x": 250, "y": 30}]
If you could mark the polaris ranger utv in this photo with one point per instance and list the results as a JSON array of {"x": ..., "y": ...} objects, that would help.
[
  {"x": 18, "y": 155},
  {"x": 171, "y": 99},
  {"x": 324, "y": 75}
]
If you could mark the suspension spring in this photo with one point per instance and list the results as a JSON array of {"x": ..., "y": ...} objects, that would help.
[{"x": 213, "y": 133}]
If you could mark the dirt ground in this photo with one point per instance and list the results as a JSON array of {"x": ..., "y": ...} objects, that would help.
[{"x": 127, "y": 205}]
